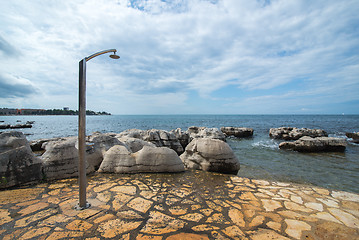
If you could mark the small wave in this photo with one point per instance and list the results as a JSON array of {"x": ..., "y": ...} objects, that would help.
[
  {"x": 342, "y": 135},
  {"x": 266, "y": 144},
  {"x": 338, "y": 135},
  {"x": 350, "y": 142}
]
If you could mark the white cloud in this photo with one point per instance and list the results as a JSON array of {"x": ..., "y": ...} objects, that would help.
[{"x": 171, "y": 48}]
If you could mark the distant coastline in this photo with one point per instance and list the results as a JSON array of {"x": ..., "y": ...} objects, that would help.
[{"x": 30, "y": 112}]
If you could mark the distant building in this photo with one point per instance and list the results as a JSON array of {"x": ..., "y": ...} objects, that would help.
[
  {"x": 23, "y": 111},
  {"x": 8, "y": 111},
  {"x": 30, "y": 111}
]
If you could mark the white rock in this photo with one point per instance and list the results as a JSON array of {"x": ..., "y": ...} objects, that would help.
[
  {"x": 210, "y": 155},
  {"x": 118, "y": 159},
  {"x": 160, "y": 159},
  {"x": 96, "y": 146},
  {"x": 149, "y": 159},
  {"x": 203, "y": 132}
]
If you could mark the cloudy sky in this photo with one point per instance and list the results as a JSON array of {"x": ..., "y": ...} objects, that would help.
[{"x": 183, "y": 56}]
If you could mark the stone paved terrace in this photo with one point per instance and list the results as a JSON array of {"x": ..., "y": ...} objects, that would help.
[{"x": 190, "y": 205}]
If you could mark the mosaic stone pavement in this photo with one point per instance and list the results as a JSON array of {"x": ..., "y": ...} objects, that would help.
[{"x": 190, "y": 205}]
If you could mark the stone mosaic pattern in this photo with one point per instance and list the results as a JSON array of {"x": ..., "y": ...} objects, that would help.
[{"x": 190, "y": 205}]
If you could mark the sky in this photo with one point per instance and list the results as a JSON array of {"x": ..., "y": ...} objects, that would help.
[{"x": 182, "y": 56}]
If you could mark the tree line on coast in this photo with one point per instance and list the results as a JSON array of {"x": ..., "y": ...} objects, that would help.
[
  {"x": 65, "y": 111},
  {"x": 70, "y": 112}
]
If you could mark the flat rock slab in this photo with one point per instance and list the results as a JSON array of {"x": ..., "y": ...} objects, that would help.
[
  {"x": 290, "y": 133},
  {"x": 319, "y": 144},
  {"x": 238, "y": 132},
  {"x": 189, "y": 205}
]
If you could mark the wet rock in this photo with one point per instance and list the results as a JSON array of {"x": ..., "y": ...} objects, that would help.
[
  {"x": 319, "y": 144},
  {"x": 21, "y": 126},
  {"x": 289, "y": 133},
  {"x": 203, "y": 132},
  {"x": 211, "y": 155},
  {"x": 237, "y": 132},
  {"x": 149, "y": 159},
  {"x": 18, "y": 164},
  {"x": 160, "y": 138},
  {"x": 4, "y": 126},
  {"x": 354, "y": 136}
]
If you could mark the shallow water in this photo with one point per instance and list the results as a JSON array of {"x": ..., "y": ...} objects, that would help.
[{"x": 259, "y": 155}]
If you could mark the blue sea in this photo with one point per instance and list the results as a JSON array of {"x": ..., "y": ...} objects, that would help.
[{"x": 259, "y": 155}]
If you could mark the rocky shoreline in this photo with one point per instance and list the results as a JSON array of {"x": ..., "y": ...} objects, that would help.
[
  {"x": 136, "y": 151},
  {"x": 183, "y": 197}
]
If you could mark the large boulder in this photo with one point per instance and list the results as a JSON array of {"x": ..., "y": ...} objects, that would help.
[
  {"x": 118, "y": 159},
  {"x": 319, "y": 144},
  {"x": 354, "y": 136},
  {"x": 103, "y": 141},
  {"x": 61, "y": 157},
  {"x": 159, "y": 138},
  {"x": 211, "y": 155},
  {"x": 160, "y": 159},
  {"x": 238, "y": 132},
  {"x": 61, "y": 160},
  {"x": 149, "y": 159},
  {"x": 18, "y": 164},
  {"x": 97, "y": 145},
  {"x": 290, "y": 133},
  {"x": 204, "y": 132}
]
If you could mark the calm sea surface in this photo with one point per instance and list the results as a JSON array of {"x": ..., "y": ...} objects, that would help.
[{"x": 259, "y": 156}]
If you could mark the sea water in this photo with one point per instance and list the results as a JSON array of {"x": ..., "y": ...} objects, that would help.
[{"x": 259, "y": 155}]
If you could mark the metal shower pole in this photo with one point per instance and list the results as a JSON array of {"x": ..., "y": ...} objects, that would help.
[{"x": 83, "y": 204}]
